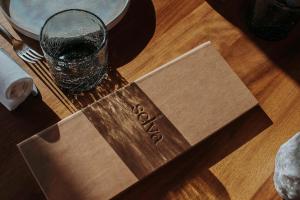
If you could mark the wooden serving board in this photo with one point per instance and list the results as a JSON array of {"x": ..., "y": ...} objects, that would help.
[{"x": 112, "y": 144}]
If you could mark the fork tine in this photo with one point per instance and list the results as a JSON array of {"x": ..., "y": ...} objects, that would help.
[
  {"x": 24, "y": 58},
  {"x": 29, "y": 57},
  {"x": 32, "y": 55},
  {"x": 36, "y": 53}
]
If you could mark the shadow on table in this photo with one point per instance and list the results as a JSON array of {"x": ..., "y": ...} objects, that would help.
[
  {"x": 132, "y": 34},
  {"x": 30, "y": 118},
  {"x": 126, "y": 41},
  {"x": 190, "y": 171},
  {"x": 74, "y": 102},
  {"x": 283, "y": 53}
]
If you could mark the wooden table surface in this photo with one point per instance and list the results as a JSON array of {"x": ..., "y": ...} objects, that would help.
[{"x": 237, "y": 163}]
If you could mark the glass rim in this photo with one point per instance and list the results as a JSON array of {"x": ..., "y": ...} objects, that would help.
[{"x": 103, "y": 42}]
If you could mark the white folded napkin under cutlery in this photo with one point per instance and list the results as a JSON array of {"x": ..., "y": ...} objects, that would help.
[{"x": 15, "y": 84}]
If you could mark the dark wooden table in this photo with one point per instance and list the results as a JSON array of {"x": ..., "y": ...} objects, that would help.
[{"x": 235, "y": 164}]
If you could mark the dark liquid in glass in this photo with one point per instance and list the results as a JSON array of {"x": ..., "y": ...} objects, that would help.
[{"x": 76, "y": 50}]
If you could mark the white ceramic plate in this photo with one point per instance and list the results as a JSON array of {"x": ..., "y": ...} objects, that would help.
[{"x": 28, "y": 16}]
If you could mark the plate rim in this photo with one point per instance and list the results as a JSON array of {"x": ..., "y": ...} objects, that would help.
[{"x": 34, "y": 36}]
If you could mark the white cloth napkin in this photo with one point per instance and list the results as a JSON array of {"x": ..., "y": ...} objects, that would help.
[{"x": 15, "y": 84}]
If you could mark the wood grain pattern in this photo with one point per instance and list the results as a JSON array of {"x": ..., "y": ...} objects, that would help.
[
  {"x": 137, "y": 130},
  {"x": 153, "y": 33}
]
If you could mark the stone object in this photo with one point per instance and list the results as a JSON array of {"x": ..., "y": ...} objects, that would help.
[{"x": 287, "y": 169}]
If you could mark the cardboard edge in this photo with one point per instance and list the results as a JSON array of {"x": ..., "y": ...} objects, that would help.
[
  {"x": 233, "y": 119},
  {"x": 31, "y": 171},
  {"x": 62, "y": 121},
  {"x": 46, "y": 129},
  {"x": 203, "y": 45}
]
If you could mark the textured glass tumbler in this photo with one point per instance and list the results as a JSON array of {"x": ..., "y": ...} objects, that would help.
[
  {"x": 272, "y": 19},
  {"x": 74, "y": 43}
]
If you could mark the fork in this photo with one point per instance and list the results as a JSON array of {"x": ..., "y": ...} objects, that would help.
[{"x": 22, "y": 50}]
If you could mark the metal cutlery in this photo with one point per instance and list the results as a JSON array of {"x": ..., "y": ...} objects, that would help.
[{"x": 22, "y": 50}]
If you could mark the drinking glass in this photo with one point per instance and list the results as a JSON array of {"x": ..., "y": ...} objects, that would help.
[{"x": 74, "y": 43}]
